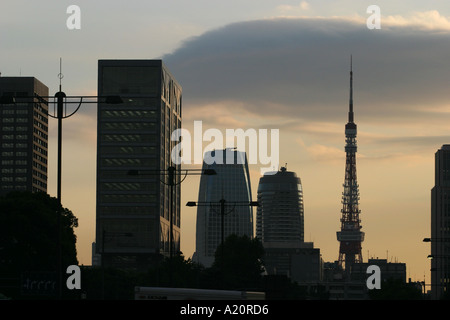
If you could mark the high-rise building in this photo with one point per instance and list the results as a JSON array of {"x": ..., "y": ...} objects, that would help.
[
  {"x": 280, "y": 227},
  {"x": 232, "y": 184},
  {"x": 24, "y": 134},
  {"x": 280, "y": 215},
  {"x": 350, "y": 236},
  {"x": 440, "y": 225},
  {"x": 133, "y": 211}
]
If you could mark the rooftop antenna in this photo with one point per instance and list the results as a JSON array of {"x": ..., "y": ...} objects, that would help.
[
  {"x": 350, "y": 113},
  {"x": 60, "y": 74}
]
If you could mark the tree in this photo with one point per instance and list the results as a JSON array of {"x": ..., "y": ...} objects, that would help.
[
  {"x": 239, "y": 265},
  {"x": 393, "y": 289},
  {"x": 29, "y": 234}
]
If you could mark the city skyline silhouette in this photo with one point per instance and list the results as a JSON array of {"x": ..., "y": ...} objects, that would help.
[{"x": 282, "y": 68}]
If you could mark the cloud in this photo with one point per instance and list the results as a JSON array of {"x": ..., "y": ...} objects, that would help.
[
  {"x": 430, "y": 20},
  {"x": 300, "y": 68},
  {"x": 322, "y": 153},
  {"x": 287, "y": 10}
]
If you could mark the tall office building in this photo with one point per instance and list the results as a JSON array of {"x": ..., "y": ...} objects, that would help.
[
  {"x": 231, "y": 183},
  {"x": 24, "y": 134},
  {"x": 280, "y": 215},
  {"x": 280, "y": 227},
  {"x": 440, "y": 225},
  {"x": 133, "y": 211}
]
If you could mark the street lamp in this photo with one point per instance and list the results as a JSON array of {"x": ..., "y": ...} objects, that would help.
[
  {"x": 61, "y": 100},
  {"x": 436, "y": 239},
  {"x": 439, "y": 264},
  {"x": 171, "y": 172},
  {"x": 222, "y": 203}
]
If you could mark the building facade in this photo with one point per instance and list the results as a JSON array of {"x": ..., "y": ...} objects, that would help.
[
  {"x": 280, "y": 227},
  {"x": 24, "y": 134},
  {"x": 440, "y": 225},
  {"x": 388, "y": 270},
  {"x": 232, "y": 184},
  {"x": 280, "y": 214},
  {"x": 133, "y": 210}
]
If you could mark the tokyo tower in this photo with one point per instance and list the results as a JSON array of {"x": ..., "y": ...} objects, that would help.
[{"x": 350, "y": 236}]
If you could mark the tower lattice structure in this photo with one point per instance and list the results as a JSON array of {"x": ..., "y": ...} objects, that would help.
[{"x": 350, "y": 236}]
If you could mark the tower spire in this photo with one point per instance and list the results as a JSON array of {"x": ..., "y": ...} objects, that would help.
[
  {"x": 350, "y": 236},
  {"x": 350, "y": 112}
]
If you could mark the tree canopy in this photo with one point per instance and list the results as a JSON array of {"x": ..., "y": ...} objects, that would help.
[{"x": 29, "y": 234}]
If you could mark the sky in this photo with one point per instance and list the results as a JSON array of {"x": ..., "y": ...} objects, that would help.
[{"x": 265, "y": 64}]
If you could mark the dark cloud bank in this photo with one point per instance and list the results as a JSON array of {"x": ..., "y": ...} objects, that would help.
[{"x": 302, "y": 66}]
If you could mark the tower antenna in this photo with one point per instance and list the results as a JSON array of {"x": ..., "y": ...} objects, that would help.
[
  {"x": 60, "y": 74},
  {"x": 350, "y": 236}
]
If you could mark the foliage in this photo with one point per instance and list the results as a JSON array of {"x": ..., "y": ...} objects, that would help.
[
  {"x": 238, "y": 262},
  {"x": 393, "y": 289},
  {"x": 29, "y": 235}
]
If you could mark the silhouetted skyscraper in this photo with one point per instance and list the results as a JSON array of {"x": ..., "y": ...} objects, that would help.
[
  {"x": 440, "y": 230},
  {"x": 280, "y": 227},
  {"x": 280, "y": 215},
  {"x": 133, "y": 210},
  {"x": 231, "y": 183},
  {"x": 24, "y": 135}
]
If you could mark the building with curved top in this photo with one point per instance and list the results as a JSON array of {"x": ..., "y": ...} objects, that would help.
[
  {"x": 232, "y": 184},
  {"x": 280, "y": 227},
  {"x": 280, "y": 216}
]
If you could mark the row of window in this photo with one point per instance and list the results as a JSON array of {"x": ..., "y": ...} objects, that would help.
[
  {"x": 126, "y": 210},
  {"x": 14, "y": 145},
  {"x": 128, "y": 126},
  {"x": 11, "y": 162},
  {"x": 40, "y": 158},
  {"x": 16, "y": 162},
  {"x": 40, "y": 142},
  {"x": 11, "y": 129},
  {"x": 17, "y": 137},
  {"x": 40, "y": 133},
  {"x": 9, "y": 171},
  {"x": 11, "y": 179},
  {"x": 127, "y": 186},
  {"x": 40, "y": 150},
  {"x": 128, "y": 150},
  {"x": 127, "y": 138},
  {"x": 11, "y": 154},
  {"x": 137, "y": 162},
  {"x": 129, "y": 114},
  {"x": 127, "y": 198},
  {"x": 15, "y": 120}
]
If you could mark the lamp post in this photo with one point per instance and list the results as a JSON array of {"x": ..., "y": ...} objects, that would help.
[
  {"x": 60, "y": 99},
  {"x": 171, "y": 172},
  {"x": 436, "y": 239},
  {"x": 222, "y": 204},
  {"x": 439, "y": 264}
]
